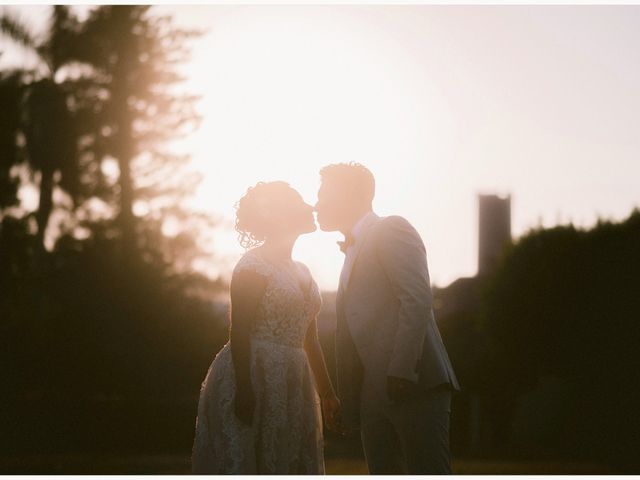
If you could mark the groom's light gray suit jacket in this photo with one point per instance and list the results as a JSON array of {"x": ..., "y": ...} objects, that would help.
[{"x": 385, "y": 323}]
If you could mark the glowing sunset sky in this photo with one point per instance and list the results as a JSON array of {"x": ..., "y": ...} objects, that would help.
[{"x": 440, "y": 102}]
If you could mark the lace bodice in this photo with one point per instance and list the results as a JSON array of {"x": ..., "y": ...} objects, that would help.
[
  {"x": 290, "y": 301},
  {"x": 285, "y": 436}
]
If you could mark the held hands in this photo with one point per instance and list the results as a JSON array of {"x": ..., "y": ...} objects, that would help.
[
  {"x": 400, "y": 389},
  {"x": 331, "y": 413}
]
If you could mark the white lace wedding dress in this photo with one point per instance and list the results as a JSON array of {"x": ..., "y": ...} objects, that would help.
[{"x": 286, "y": 434}]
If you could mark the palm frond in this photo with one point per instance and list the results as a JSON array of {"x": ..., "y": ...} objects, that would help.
[
  {"x": 62, "y": 45},
  {"x": 19, "y": 33}
]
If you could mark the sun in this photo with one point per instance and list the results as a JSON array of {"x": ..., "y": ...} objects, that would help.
[{"x": 287, "y": 91}]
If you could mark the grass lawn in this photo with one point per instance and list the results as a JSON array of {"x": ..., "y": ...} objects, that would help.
[
  {"x": 484, "y": 467},
  {"x": 179, "y": 464}
]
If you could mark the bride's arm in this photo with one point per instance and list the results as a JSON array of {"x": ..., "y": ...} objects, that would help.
[
  {"x": 247, "y": 290},
  {"x": 330, "y": 402},
  {"x": 316, "y": 360}
]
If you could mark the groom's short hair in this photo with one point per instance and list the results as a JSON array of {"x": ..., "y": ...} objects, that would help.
[{"x": 355, "y": 178}]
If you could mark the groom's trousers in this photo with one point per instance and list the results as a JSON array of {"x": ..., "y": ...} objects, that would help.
[{"x": 411, "y": 437}]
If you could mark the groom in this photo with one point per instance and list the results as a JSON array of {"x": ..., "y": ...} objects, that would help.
[{"x": 395, "y": 379}]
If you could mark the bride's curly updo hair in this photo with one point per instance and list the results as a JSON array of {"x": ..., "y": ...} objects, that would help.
[{"x": 254, "y": 211}]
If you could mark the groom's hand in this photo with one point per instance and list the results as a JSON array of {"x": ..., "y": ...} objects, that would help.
[
  {"x": 331, "y": 410},
  {"x": 399, "y": 389}
]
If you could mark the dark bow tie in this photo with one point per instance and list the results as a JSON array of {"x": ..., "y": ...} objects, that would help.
[{"x": 348, "y": 241}]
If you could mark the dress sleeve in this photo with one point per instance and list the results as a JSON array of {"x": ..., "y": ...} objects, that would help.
[{"x": 252, "y": 263}]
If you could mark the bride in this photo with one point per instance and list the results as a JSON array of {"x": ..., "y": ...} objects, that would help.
[{"x": 259, "y": 408}]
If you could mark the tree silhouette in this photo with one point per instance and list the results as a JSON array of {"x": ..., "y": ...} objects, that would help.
[
  {"x": 10, "y": 91},
  {"x": 137, "y": 55},
  {"x": 43, "y": 115},
  {"x": 106, "y": 90},
  {"x": 564, "y": 304},
  {"x": 113, "y": 317}
]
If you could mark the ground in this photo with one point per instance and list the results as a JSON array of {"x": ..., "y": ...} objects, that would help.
[{"x": 179, "y": 464}]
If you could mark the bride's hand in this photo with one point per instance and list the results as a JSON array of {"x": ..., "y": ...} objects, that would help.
[{"x": 331, "y": 413}]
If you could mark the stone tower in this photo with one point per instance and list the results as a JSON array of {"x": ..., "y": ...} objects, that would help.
[{"x": 494, "y": 229}]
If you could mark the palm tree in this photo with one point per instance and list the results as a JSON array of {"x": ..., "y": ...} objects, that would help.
[
  {"x": 10, "y": 92},
  {"x": 138, "y": 54},
  {"x": 44, "y": 116},
  {"x": 124, "y": 108}
]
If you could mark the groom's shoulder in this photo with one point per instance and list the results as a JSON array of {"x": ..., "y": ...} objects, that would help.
[
  {"x": 394, "y": 220},
  {"x": 394, "y": 223},
  {"x": 395, "y": 228}
]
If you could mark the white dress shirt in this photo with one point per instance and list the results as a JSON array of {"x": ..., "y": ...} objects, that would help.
[{"x": 349, "y": 257}]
